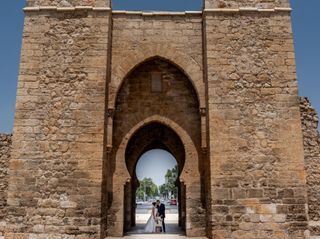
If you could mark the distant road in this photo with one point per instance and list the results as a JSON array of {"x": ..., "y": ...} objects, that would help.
[{"x": 146, "y": 209}]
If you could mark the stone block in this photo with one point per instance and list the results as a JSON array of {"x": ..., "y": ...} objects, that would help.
[
  {"x": 268, "y": 209},
  {"x": 221, "y": 193},
  {"x": 266, "y": 218},
  {"x": 281, "y": 218},
  {"x": 238, "y": 193},
  {"x": 254, "y": 193}
]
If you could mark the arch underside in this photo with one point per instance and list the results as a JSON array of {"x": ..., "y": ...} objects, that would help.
[
  {"x": 152, "y": 136},
  {"x": 146, "y": 52},
  {"x": 144, "y": 119}
]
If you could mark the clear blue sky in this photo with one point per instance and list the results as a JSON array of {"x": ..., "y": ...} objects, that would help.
[{"x": 306, "y": 21}]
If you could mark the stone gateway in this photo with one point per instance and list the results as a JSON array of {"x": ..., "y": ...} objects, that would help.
[{"x": 216, "y": 88}]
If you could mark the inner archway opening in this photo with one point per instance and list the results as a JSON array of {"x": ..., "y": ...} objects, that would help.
[
  {"x": 156, "y": 107},
  {"x": 155, "y": 158},
  {"x": 157, "y": 173}
]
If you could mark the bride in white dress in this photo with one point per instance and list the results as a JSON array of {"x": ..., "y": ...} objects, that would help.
[{"x": 151, "y": 224}]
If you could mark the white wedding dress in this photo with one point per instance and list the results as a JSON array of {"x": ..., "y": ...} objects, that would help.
[{"x": 151, "y": 224}]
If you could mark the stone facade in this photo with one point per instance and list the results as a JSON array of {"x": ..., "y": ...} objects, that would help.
[
  {"x": 216, "y": 88},
  {"x": 56, "y": 163},
  {"x": 68, "y": 3},
  {"x": 311, "y": 142},
  {"x": 257, "y": 177},
  {"x": 5, "y": 151},
  {"x": 136, "y": 102},
  {"x": 235, "y": 4}
]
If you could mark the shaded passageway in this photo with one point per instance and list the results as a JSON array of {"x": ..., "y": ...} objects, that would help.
[
  {"x": 157, "y": 107},
  {"x": 152, "y": 136}
]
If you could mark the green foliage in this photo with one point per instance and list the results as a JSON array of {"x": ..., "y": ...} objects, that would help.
[
  {"x": 169, "y": 189},
  {"x": 147, "y": 189}
]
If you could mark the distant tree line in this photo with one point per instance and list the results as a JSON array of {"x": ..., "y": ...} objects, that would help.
[
  {"x": 169, "y": 190},
  {"x": 149, "y": 190}
]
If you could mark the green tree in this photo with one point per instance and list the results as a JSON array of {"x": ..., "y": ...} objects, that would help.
[
  {"x": 163, "y": 191},
  {"x": 147, "y": 189},
  {"x": 169, "y": 189}
]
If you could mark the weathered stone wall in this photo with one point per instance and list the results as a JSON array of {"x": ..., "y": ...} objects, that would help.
[
  {"x": 137, "y": 37},
  {"x": 244, "y": 131},
  {"x": 56, "y": 165},
  {"x": 311, "y": 140},
  {"x": 152, "y": 136},
  {"x": 136, "y": 102},
  {"x": 257, "y": 164},
  {"x": 246, "y": 3},
  {"x": 5, "y": 152},
  {"x": 173, "y": 38},
  {"x": 68, "y": 3}
]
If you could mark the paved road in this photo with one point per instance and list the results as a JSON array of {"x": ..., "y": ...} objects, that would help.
[
  {"x": 146, "y": 209},
  {"x": 171, "y": 228},
  {"x": 143, "y": 213},
  {"x": 170, "y": 218}
]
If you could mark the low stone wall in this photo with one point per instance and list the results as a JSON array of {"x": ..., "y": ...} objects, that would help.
[
  {"x": 5, "y": 149},
  {"x": 311, "y": 137}
]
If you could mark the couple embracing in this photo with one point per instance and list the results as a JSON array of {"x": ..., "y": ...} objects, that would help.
[{"x": 156, "y": 220}]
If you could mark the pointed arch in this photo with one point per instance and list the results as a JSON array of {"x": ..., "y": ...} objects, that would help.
[
  {"x": 190, "y": 176},
  {"x": 122, "y": 67},
  {"x": 190, "y": 171}
]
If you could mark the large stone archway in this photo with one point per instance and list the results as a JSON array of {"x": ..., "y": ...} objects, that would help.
[
  {"x": 126, "y": 65},
  {"x": 189, "y": 176},
  {"x": 152, "y": 136},
  {"x": 175, "y": 109}
]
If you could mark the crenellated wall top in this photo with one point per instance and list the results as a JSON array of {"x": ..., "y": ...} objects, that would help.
[
  {"x": 246, "y": 3},
  {"x": 68, "y": 3},
  {"x": 208, "y": 4}
]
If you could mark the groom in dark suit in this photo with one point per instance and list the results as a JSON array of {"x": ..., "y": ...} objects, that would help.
[{"x": 162, "y": 213}]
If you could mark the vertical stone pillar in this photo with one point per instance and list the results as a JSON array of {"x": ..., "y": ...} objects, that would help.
[
  {"x": 311, "y": 140},
  {"x": 115, "y": 225},
  {"x": 190, "y": 179},
  {"x": 128, "y": 206},
  {"x": 195, "y": 214},
  {"x": 55, "y": 173},
  {"x": 121, "y": 178},
  {"x": 5, "y": 154},
  {"x": 117, "y": 220},
  {"x": 258, "y": 179}
]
